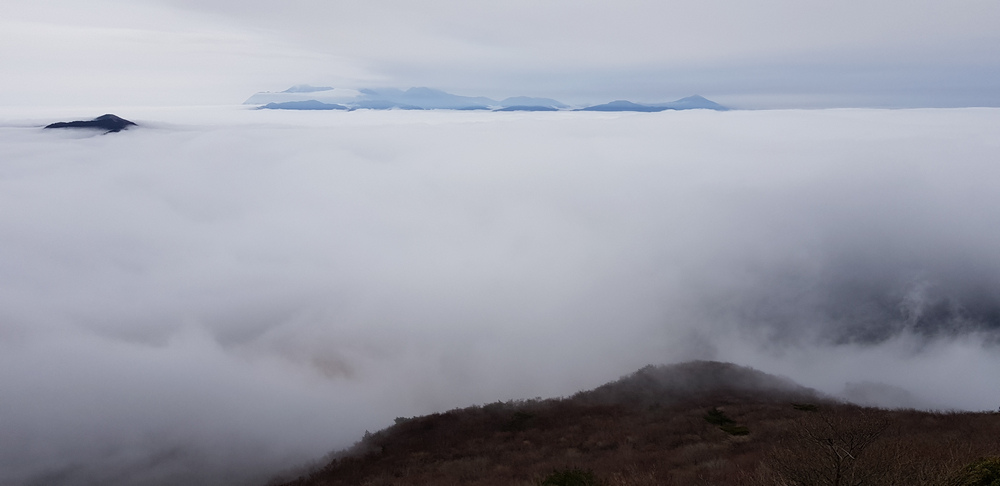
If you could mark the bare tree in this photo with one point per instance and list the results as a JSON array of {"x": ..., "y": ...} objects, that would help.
[{"x": 830, "y": 448}]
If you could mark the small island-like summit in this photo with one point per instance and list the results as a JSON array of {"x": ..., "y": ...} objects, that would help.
[{"x": 109, "y": 123}]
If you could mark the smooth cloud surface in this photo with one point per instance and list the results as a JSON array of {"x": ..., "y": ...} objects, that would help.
[{"x": 211, "y": 303}]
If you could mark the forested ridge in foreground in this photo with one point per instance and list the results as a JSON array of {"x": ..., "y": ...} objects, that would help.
[{"x": 697, "y": 423}]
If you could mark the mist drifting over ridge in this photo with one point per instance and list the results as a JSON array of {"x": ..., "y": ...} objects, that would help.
[{"x": 192, "y": 302}]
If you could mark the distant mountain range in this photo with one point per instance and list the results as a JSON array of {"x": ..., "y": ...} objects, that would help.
[{"x": 305, "y": 97}]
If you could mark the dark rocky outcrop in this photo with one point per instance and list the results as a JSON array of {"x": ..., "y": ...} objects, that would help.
[{"x": 110, "y": 123}]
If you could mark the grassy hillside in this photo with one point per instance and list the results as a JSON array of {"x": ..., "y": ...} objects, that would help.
[{"x": 699, "y": 423}]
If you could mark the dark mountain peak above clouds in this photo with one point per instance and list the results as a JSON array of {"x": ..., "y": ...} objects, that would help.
[{"x": 110, "y": 123}]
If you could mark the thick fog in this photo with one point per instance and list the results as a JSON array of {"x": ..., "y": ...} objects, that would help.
[{"x": 220, "y": 294}]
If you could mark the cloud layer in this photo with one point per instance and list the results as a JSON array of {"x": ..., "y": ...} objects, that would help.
[{"x": 211, "y": 302}]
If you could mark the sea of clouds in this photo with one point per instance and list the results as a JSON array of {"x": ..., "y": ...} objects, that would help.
[{"x": 223, "y": 293}]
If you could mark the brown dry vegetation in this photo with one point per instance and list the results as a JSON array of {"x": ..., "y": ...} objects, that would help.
[{"x": 701, "y": 423}]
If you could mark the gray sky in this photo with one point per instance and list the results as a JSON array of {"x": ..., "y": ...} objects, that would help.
[{"x": 765, "y": 53}]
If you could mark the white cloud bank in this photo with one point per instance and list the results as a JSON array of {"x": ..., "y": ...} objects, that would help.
[{"x": 220, "y": 294}]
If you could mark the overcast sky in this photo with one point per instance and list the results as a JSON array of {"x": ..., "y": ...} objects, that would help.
[{"x": 751, "y": 54}]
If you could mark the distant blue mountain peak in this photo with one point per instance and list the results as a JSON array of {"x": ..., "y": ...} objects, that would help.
[
  {"x": 305, "y": 88},
  {"x": 527, "y": 108},
  {"x": 302, "y": 105},
  {"x": 693, "y": 103},
  {"x": 622, "y": 105},
  {"x": 531, "y": 101}
]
